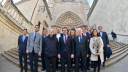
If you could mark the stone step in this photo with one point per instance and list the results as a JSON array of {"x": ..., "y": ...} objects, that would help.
[
  {"x": 16, "y": 62},
  {"x": 117, "y": 54}
]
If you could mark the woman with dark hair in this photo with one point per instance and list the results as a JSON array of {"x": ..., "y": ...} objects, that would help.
[
  {"x": 72, "y": 34},
  {"x": 96, "y": 47}
]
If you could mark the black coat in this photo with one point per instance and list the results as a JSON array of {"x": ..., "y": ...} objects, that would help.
[
  {"x": 62, "y": 46},
  {"x": 80, "y": 48},
  {"x": 50, "y": 46},
  {"x": 22, "y": 45}
]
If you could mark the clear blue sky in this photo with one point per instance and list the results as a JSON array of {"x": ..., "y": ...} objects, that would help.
[{"x": 89, "y": 1}]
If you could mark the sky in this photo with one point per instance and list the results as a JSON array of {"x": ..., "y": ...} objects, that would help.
[{"x": 89, "y": 1}]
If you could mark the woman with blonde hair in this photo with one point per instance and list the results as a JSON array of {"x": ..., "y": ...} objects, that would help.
[{"x": 96, "y": 47}]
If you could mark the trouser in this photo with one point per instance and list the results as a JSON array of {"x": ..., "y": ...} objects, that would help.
[
  {"x": 66, "y": 58},
  {"x": 43, "y": 61},
  {"x": 77, "y": 62},
  {"x": 33, "y": 58},
  {"x": 21, "y": 55},
  {"x": 88, "y": 62},
  {"x": 97, "y": 63},
  {"x": 104, "y": 55},
  {"x": 50, "y": 64}
]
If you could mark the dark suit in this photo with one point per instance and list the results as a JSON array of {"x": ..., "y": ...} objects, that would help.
[
  {"x": 105, "y": 41},
  {"x": 80, "y": 50},
  {"x": 42, "y": 55},
  {"x": 57, "y": 60},
  {"x": 89, "y": 52},
  {"x": 22, "y": 51},
  {"x": 65, "y": 52}
]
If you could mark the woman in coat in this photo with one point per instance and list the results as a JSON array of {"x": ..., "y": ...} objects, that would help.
[{"x": 96, "y": 47}]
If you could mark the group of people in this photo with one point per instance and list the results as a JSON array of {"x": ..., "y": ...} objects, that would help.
[{"x": 81, "y": 47}]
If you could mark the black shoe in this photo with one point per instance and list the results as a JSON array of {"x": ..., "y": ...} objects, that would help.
[
  {"x": 43, "y": 69},
  {"x": 21, "y": 70}
]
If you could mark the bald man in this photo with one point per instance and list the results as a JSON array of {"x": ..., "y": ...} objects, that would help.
[{"x": 50, "y": 51}]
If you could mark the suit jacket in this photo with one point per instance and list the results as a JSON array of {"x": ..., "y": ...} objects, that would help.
[
  {"x": 43, "y": 43},
  {"x": 22, "y": 44},
  {"x": 36, "y": 45},
  {"x": 50, "y": 46},
  {"x": 80, "y": 48},
  {"x": 105, "y": 38},
  {"x": 62, "y": 46}
]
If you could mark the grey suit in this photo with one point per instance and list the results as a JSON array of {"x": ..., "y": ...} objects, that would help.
[
  {"x": 34, "y": 45},
  {"x": 37, "y": 44}
]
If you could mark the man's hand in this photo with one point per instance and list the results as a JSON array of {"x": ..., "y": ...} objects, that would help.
[
  {"x": 87, "y": 55},
  {"x": 72, "y": 55},
  {"x": 108, "y": 46},
  {"x": 27, "y": 51},
  {"x": 39, "y": 54},
  {"x": 59, "y": 56}
]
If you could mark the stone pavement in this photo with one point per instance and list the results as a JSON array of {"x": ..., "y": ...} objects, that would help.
[
  {"x": 122, "y": 66},
  {"x": 6, "y": 66}
]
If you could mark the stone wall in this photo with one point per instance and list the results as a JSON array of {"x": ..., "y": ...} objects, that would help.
[
  {"x": 12, "y": 23},
  {"x": 112, "y": 15}
]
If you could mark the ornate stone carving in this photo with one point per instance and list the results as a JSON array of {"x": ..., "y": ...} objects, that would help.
[{"x": 69, "y": 19}]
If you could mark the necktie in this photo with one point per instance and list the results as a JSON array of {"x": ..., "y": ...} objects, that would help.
[
  {"x": 65, "y": 43},
  {"x": 35, "y": 37},
  {"x": 84, "y": 34},
  {"x": 65, "y": 39}
]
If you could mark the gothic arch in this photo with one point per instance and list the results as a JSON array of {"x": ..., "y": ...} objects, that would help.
[{"x": 70, "y": 20}]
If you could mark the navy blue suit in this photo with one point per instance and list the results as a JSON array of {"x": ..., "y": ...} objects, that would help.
[
  {"x": 106, "y": 42},
  {"x": 22, "y": 44},
  {"x": 22, "y": 51},
  {"x": 42, "y": 55},
  {"x": 81, "y": 51},
  {"x": 65, "y": 51}
]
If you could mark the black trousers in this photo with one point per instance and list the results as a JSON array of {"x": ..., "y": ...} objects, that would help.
[
  {"x": 50, "y": 64},
  {"x": 33, "y": 57},
  {"x": 97, "y": 63},
  {"x": 105, "y": 55},
  {"x": 77, "y": 62},
  {"x": 65, "y": 59},
  {"x": 43, "y": 61},
  {"x": 88, "y": 62},
  {"x": 21, "y": 55}
]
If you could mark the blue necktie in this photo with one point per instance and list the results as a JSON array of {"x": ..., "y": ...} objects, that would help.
[{"x": 35, "y": 37}]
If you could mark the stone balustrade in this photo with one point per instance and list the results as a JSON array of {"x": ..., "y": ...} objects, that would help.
[{"x": 13, "y": 13}]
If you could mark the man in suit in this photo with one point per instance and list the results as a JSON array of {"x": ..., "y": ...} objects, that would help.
[
  {"x": 80, "y": 46},
  {"x": 58, "y": 35},
  {"x": 105, "y": 39},
  {"x": 64, "y": 50},
  {"x": 34, "y": 48},
  {"x": 50, "y": 51},
  {"x": 88, "y": 35},
  {"x": 22, "y": 43},
  {"x": 42, "y": 55}
]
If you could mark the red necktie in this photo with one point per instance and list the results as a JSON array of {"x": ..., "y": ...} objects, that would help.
[
  {"x": 65, "y": 39},
  {"x": 65, "y": 42}
]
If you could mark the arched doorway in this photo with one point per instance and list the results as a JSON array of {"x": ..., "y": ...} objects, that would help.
[{"x": 70, "y": 20}]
